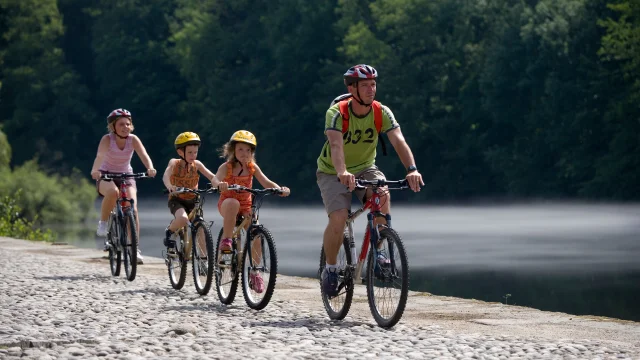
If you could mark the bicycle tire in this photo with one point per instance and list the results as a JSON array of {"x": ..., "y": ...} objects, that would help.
[
  {"x": 338, "y": 307},
  {"x": 177, "y": 262},
  {"x": 202, "y": 267},
  {"x": 226, "y": 276},
  {"x": 255, "y": 300},
  {"x": 115, "y": 256},
  {"x": 130, "y": 245},
  {"x": 378, "y": 285}
]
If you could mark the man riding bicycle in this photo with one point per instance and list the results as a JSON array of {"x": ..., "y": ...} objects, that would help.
[{"x": 349, "y": 153}]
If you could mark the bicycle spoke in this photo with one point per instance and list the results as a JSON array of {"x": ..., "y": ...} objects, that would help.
[{"x": 388, "y": 281}]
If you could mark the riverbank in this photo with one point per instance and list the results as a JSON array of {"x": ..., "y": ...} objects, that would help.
[{"x": 60, "y": 301}]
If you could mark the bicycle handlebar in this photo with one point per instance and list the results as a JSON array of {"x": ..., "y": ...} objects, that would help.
[
  {"x": 124, "y": 176},
  {"x": 182, "y": 190},
  {"x": 392, "y": 184},
  {"x": 267, "y": 191}
]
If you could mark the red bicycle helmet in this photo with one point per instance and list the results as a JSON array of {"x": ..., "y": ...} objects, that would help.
[
  {"x": 118, "y": 113},
  {"x": 360, "y": 72}
]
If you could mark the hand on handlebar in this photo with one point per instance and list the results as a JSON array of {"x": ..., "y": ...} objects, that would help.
[
  {"x": 347, "y": 179},
  {"x": 285, "y": 191},
  {"x": 96, "y": 174},
  {"x": 223, "y": 186},
  {"x": 151, "y": 172},
  {"x": 172, "y": 188},
  {"x": 414, "y": 179}
]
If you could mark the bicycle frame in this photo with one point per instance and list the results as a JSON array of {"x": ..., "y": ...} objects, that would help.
[
  {"x": 251, "y": 222},
  {"x": 124, "y": 203},
  {"x": 372, "y": 232},
  {"x": 195, "y": 216}
]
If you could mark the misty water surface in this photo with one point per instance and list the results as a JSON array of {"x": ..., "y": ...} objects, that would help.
[{"x": 575, "y": 258}]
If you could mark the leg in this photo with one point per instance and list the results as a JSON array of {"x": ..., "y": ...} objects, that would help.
[
  {"x": 229, "y": 211},
  {"x": 337, "y": 200},
  {"x": 110, "y": 192},
  {"x": 179, "y": 221},
  {"x": 178, "y": 209},
  {"x": 333, "y": 235}
]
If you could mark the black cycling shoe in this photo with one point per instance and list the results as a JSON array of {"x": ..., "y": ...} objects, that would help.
[{"x": 169, "y": 243}]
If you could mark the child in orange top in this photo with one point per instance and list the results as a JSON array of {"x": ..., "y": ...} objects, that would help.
[
  {"x": 239, "y": 169},
  {"x": 183, "y": 172}
]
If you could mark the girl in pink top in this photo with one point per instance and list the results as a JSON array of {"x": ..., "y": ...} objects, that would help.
[{"x": 114, "y": 156}]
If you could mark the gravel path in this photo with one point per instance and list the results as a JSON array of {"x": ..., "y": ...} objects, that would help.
[{"x": 61, "y": 302}]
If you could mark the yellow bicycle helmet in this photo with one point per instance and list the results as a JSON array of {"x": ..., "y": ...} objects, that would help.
[
  {"x": 187, "y": 138},
  {"x": 245, "y": 137}
]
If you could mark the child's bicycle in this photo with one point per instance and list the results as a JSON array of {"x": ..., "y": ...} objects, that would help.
[
  {"x": 199, "y": 252},
  {"x": 387, "y": 272},
  {"x": 122, "y": 237},
  {"x": 259, "y": 262}
]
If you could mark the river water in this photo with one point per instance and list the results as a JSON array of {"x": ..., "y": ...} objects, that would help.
[{"x": 573, "y": 258}]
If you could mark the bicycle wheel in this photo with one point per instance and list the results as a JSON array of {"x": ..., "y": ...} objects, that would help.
[
  {"x": 115, "y": 256},
  {"x": 226, "y": 273},
  {"x": 177, "y": 265},
  {"x": 338, "y": 306},
  {"x": 202, "y": 258},
  {"x": 130, "y": 245},
  {"x": 264, "y": 269},
  {"x": 388, "y": 283}
]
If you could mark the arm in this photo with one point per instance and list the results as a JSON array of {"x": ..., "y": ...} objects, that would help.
[
  {"x": 166, "y": 178},
  {"x": 267, "y": 183},
  {"x": 222, "y": 171},
  {"x": 215, "y": 182},
  {"x": 337, "y": 158},
  {"x": 406, "y": 156},
  {"x": 103, "y": 147},
  {"x": 142, "y": 154}
]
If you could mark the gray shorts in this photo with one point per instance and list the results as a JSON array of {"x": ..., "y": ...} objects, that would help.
[{"x": 336, "y": 196}]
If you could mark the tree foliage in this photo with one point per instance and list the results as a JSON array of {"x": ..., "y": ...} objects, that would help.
[{"x": 516, "y": 98}]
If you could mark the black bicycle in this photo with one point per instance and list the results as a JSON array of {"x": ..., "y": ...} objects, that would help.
[
  {"x": 199, "y": 252},
  {"x": 259, "y": 260},
  {"x": 387, "y": 271},
  {"x": 122, "y": 237}
]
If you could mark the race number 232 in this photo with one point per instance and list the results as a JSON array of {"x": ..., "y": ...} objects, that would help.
[{"x": 357, "y": 136}]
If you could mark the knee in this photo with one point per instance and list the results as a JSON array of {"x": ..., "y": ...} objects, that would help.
[
  {"x": 230, "y": 207},
  {"x": 110, "y": 193},
  {"x": 337, "y": 219}
]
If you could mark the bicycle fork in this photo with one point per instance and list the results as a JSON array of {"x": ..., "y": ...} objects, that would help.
[{"x": 371, "y": 236}]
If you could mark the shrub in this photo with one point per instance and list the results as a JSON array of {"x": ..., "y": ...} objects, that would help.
[
  {"x": 48, "y": 199},
  {"x": 12, "y": 224}
]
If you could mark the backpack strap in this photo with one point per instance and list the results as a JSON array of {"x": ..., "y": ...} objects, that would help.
[
  {"x": 344, "y": 112},
  {"x": 377, "y": 115},
  {"x": 377, "y": 120}
]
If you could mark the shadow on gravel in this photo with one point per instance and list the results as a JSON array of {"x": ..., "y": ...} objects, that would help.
[
  {"x": 74, "y": 277},
  {"x": 311, "y": 324},
  {"x": 154, "y": 291}
]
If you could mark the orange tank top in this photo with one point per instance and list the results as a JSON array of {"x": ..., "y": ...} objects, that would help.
[
  {"x": 185, "y": 175},
  {"x": 245, "y": 180}
]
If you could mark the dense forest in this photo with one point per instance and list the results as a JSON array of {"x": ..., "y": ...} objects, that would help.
[{"x": 497, "y": 98}]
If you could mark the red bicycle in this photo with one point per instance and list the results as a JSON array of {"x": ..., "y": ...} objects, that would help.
[
  {"x": 387, "y": 272},
  {"x": 122, "y": 237}
]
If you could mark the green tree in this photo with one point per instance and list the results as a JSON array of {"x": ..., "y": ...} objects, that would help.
[
  {"x": 618, "y": 170},
  {"x": 44, "y": 111},
  {"x": 5, "y": 151},
  {"x": 132, "y": 70}
]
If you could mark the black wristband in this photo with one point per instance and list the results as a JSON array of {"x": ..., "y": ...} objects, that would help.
[{"x": 411, "y": 169}]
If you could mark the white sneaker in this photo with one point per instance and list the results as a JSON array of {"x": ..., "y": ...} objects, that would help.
[
  {"x": 140, "y": 259},
  {"x": 102, "y": 229}
]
